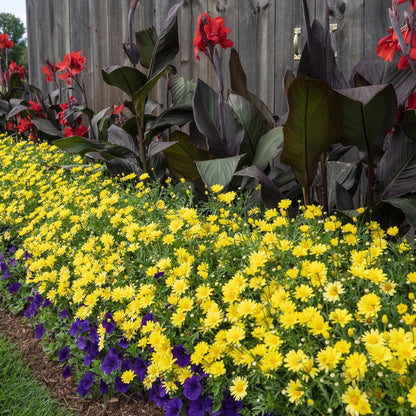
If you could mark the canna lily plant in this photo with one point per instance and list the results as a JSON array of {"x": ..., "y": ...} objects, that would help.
[{"x": 352, "y": 145}]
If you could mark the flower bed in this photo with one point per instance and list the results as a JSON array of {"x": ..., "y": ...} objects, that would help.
[{"x": 212, "y": 309}]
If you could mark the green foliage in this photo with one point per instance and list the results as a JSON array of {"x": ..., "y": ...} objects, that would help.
[
  {"x": 20, "y": 394},
  {"x": 15, "y": 28}
]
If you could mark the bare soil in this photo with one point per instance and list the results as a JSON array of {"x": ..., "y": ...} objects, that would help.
[{"x": 49, "y": 374}]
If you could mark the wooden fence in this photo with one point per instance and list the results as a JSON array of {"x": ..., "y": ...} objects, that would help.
[{"x": 263, "y": 32}]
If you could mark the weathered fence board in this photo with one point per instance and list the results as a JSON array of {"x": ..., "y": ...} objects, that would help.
[{"x": 262, "y": 31}]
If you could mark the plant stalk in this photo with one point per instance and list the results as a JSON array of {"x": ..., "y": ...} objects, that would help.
[
  {"x": 140, "y": 135},
  {"x": 218, "y": 71}
]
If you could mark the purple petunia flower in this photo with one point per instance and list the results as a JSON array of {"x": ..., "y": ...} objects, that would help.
[
  {"x": 230, "y": 406},
  {"x": 87, "y": 360},
  {"x": 14, "y": 287},
  {"x": 196, "y": 408},
  {"x": 46, "y": 303},
  {"x": 82, "y": 343},
  {"x": 6, "y": 274},
  {"x": 109, "y": 323},
  {"x": 110, "y": 362},
  {"x": 182, "y": 358},
  {"x": 26, "y": 256},
  {"x": 158, "y": 395},
  {"x": 3, "y": 266},
  {"x": 123, "y": 343},
  {"x": 140, "y": 368},
  {"x": 103, "y": 387},
  {"x": 12, "y": 249},
  {"x": 37, "y": 300},
  {"x": 159, "y": 274},
  {"x": 40, "y": 331},
  {"x": 85, "y": 384},
  {"x": 126, "y": 365},
  {"x": 63, "y": 314},
  {"x": 173, "y": 407},
  {"x": 192, "y": 387},
  {"x": 120, "y": 386},
  {"x": 30, "y": 312},
  {"x": 93, "y": 334},
  {"x": 64, "y": 354},
  {"x": 67, "y": 372}
]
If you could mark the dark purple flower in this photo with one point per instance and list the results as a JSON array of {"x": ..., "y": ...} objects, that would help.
[
  {"x": 14, "y": 287},
  {"x": 103, "y": 387},
  {"x": 38, "y": 300},
  {"x": 30, "y": 312},
  {"x": 140, "y": 368},
  {"x": 67, "y": 372},
  {"x": 122, "y": 343},
  {"x": 88, "y": 359},
  {"x": 46, "y": 303},
  {"x": 173, "y": 407},
  {"x": 159, "y": 274},
  {"x": 3, "y": 266},
  {"x": 230, "y": 406},
  {"x": 192, "y": 388},
  {"x": 108, "y": 323},
  {"x": 12, "y": 249},
  {"x": 93, "y": 334},
  {"x": 158, "y": 394},
  {"x": 73, "y": 329},
  {"x": 120, "y": 386},
  {"x": 182, "y": 358},
  {"x": 63, "y": 314},
  {"x": 126, "y": 365},
  {"x": 6, "y": 274},
  {"x": 196, "y": 408},
  {"x": 83, "y": 326},
  {"x": 82, "y": 344},
  {"x": 64, "y": 354},
  {"x": 26, "y": 256},
  {"x": 94, "y": 350},
  {"x": 110, "y": 362},
  {"x": 85, "y": 384},
  {"x": 40, "y": 331},
  {"x": 146, "y": 318}
]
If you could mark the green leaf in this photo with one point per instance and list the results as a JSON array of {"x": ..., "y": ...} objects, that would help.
[
  {"x": 253, "y": 122},
  {"x": 180, "y": 155},
  {"x": 77, "y": 144},
  {"x": 116, "y": 135},
  {"x": 96, "y": 120},
  {"x": 173, "y": 116},
  {"x": 368, "y": 114},
  {"x": 146, "y": 40},
  {"x": 218, "y": 171},
  {"x": 268, "y": 147},
  {"x": 140, "y": 97},
  {"x": 167, "y": 45},
  {"x": 256, "y": 173},
  {"x": 128, "y": 79},
  {"x": 47, "y": 127},
  {"x": 181, "y": 90},
  {"x": 312, "y": 126}
]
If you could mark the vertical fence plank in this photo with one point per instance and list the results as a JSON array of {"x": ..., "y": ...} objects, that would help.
[{"x": 262, "y": 30}]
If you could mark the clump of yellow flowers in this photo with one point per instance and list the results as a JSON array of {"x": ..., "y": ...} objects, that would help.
[{"x": 248, "y": 313}]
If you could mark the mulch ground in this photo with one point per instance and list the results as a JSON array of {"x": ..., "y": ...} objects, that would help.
[{"x": 49, "y": 373}]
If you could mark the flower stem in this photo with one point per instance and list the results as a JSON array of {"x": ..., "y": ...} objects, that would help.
[{"x": 217, "y": 66}]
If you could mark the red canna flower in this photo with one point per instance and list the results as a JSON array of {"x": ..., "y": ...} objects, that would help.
[
  {"x": 117, "y": 109},
  {"x": 49, "y": 70},
  {"x": 71, "y": 66},
  {"x": 211, "y": 32},
  {"x": 14, "y": 68},
  {"x": 387, "y": 46},
  {"x": 5, "y": 43},
  {"x": 35, "y": 106}
]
